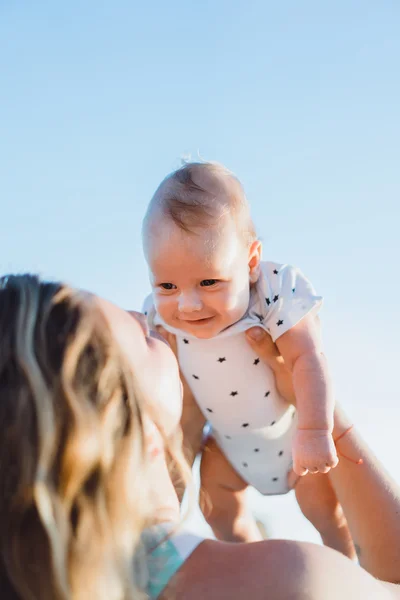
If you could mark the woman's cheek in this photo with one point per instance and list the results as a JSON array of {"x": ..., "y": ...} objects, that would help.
[{"x": 163, "y": 387}]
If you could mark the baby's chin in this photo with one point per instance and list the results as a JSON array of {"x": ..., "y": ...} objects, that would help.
[{"x": 202, "y": 333}]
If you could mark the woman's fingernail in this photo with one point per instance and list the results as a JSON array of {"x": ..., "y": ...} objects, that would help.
[{"x": 256, "y": 333}]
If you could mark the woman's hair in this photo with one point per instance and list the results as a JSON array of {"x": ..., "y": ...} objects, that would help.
[{"x": 71, "y": 424}]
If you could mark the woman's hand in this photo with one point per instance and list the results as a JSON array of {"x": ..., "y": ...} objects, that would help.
[{"x": 265, "y": 348}]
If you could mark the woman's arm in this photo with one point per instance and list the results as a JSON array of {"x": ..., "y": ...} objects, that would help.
[
  {"x": 371, "y": 501},
  {"x": 273, "y": 570},
  {"x": 369, "y": 496}
]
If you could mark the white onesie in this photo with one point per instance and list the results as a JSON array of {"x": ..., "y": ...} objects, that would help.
[{"x": 251, "y": 422}]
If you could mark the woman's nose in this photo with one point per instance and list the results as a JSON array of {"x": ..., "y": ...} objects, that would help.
[{"x": 141, "y": 319}]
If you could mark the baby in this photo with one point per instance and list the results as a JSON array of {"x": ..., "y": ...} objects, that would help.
[{"x": 210, "y": 286}]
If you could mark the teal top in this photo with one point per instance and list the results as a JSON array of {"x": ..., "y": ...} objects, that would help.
[{"x": 168, "y": 550}]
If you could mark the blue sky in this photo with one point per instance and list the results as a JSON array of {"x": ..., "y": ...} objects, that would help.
[{"x": 100, "y": 100}]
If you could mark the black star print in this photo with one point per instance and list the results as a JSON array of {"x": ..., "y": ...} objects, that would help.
[
  {"x": 293, "y": 290},
  {"x": 195, "y": 376},
  {"x": 185, "y": 341},
  {"x": 259, "y": 317},
  {"x": 210, "y": 409},
  {"x": 275, "y": 272},
  {"x": 267, "y": 394},
  {"x": 275, "y": 478},
  {"x": 233, "y": 393},
  {"x": 275, "y": 298},
  {"x": 245, "y": 424},
  {"x": 273, "y": 423},
  {"x": 268, "y": 301},
  {"x": 256, "y": 449},
  {"x": 145, "y": 312},
  {"x": 245, "y": 464},
  {"x": 256, "y": 361},
  {"x": 280, "y": 453},
  {"x": 222, "y": 359},
  {"x": 280, "y": 322}
]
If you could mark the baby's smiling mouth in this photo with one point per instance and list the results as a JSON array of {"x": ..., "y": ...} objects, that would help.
[{"x": 197, "y": 321}]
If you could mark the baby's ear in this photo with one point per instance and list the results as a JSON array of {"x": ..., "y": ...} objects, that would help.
[{"x": 254, "y": 260}]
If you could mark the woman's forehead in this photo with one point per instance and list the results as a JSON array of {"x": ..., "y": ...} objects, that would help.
[{"x": 125, "y": 327}]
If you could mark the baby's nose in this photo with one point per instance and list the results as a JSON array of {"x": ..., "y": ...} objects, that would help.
[{"x": 189, "y": 303}]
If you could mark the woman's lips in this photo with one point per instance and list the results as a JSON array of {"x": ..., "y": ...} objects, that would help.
[{"x": 154, "y": 334}]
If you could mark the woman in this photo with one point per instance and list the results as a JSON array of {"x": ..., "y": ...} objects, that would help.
[
  {"x": 78, "y": 454},
  {"x": 89, "y": 402}
]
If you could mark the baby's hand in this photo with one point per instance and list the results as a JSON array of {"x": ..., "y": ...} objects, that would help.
[{"x": 313, "y": 451}]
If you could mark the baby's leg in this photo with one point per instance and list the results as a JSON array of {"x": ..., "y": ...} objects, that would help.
[
  {"x": 319, "y": 504},
  {"x": 223, "y": 498}
]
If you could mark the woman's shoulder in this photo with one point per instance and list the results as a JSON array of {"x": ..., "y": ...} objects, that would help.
[
  {"x": 219, "y": 570},
  {"x": 273, "y": 570}
]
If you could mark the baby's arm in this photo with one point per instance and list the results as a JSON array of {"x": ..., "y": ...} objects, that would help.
[{"x": 313, "y": 447}]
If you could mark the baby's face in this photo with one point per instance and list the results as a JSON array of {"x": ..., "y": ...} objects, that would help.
[{"x": 201, "y": 283}]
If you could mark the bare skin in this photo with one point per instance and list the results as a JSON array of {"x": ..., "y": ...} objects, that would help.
[
  {"x": 369, "y": 496},
  {"x": 223, "y": 490},
  {"x": 223, "y": 503},
  {"x": 223, "y": 498},
  {"x": 371, "y": 501},
  {"x": 274, "y": 570},
  {"x": 201, "y": 285},
  {"x": 285, "y": 570},
  {"x": 269, "y": 570}
]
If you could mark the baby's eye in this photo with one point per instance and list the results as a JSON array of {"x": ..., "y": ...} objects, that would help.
[
  {"x": 208, "y": 282},
  {"x": 168, "y": 286}
]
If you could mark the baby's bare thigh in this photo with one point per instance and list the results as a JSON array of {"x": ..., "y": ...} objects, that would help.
[{"x": 216, "y": 471}]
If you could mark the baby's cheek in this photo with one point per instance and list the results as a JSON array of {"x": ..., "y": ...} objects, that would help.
[
  {"x": 164, "y": 307},
  {"x": 233, "y": 305},
  {"x": 238, "y": 299},
  {"x": 223, "y": 302}
]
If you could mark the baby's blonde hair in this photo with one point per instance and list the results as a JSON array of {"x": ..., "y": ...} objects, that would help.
[{"x": 198, "y": 196}]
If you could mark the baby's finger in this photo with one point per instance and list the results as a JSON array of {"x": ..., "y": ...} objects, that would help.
[
  {"x": 324, "y": 469},
  {"x": 293, "y": 479},
  {"x": 333, "y": 463},
  {"x": 299, "y": 470}
]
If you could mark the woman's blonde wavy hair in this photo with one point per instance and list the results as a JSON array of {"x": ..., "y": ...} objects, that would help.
[{"x": 71, "y": 424}]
